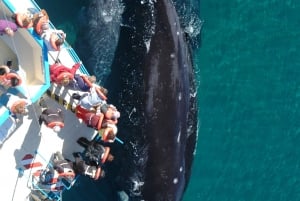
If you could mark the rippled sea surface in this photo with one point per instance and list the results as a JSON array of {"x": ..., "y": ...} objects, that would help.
[{"x": 248, "y": 67}]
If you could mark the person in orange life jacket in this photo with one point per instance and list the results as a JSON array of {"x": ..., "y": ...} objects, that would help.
[
  {"x": 52, "y": 118},
  {"x": 61, "y": 74},
  {"x": 94, "y": 155},
  {"x": 7, "y": 27},
  {"x": 9, "y": 77},
  {"x": 62, "y": 167},
  {"x": 53, "y": 39},
  {"x": 16, "y": 105},
  {"x": 23, "y": 20},
  {"x": 40, "y": 21}
]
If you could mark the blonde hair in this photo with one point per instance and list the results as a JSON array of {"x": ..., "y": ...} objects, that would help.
[
  {"x": 65, "y": 81},
  {"x": 92, "y": 78}
]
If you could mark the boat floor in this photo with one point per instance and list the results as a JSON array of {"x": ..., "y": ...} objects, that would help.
[{"x": 31, "y": 138}]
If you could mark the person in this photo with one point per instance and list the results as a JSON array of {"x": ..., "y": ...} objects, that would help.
[
  {"x": 84, "y": 83},
  {"x": 53, "y": 39},
  {"x": 90, "y": 100},
  {"x": 91, "y": 119},
  {"x": 94, "y": 155},
  {"x": 9, "y": 77},
  {"x": 40, "y": 21},
  {"x": 61, "y": 74},
  {"x": 52, "y": 118},
  {"x": 15, "y": 104},
  {"x": 60, "y": 168},
  {"x": 7, "y": 27},
  {"x": 80, "y": 167},
  {"x": 111, "y": 114},
  {"x": 23, "y": 20},
  {"x": 108, "y": 133}
]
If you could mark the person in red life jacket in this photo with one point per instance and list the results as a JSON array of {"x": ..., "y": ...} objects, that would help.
[
  {"x": 91, "y": 119},
  {"x": 8, "y": 77},
  {"x": 61, "y": 74},
  {"x": 7, "y": 27},
  {"x": 95, "y": 155},
  {"x": 109, "y": 111},
  {"x": 107, "y": 131},
  {"x": 52, "y": 118},
  {"x": 23, "y": 20},
  {"x": 53, "y": 39}
]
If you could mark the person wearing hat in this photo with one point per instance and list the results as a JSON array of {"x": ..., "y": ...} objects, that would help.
[{"x": 52, "y": 119}]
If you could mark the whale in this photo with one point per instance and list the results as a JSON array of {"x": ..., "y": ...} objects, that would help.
[{"x": 152, "y": 83}]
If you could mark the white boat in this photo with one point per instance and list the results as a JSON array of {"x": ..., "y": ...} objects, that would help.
[{"x": 27, "y": 147}]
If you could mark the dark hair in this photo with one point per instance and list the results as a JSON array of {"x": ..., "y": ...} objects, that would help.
[
  {"x": 14, "y": 81},
  {"x": 2, "y": 71},
  {"x": 59, "y": 41}
]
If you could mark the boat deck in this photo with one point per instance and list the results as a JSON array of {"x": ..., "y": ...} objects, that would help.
[{"x": 30, "y": 146}]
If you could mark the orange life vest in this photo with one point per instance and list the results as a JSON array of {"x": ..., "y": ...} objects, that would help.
[
  {"x": 56, "y": 123},
  {"x": 98, "y": 173},
  {"x": 105, "y": 155},
  {"x": 39, "y": 24},
  {"x": 19, "y": 21}
]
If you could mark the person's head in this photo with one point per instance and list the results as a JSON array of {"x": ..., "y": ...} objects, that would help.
[
  {"x": 65, "y": 81},
  {"x": 59, "y": 42},
  {"x": 21, "y": 109},
  {"x": 56, "y": 129},
  {"x": 92, "y": 78},
  {"x": 112, "y": 113},
  {"x": 111, "y": 137},
  {"x": 9, "y": 31}
]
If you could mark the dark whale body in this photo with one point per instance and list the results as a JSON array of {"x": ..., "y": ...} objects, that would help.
[{"x": 152, "y": 84}]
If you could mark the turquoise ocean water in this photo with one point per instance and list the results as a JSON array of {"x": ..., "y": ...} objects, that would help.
[{"x": 248, "y": 69}]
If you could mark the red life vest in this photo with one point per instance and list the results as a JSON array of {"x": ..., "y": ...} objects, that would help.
[
  {"x": 39, "y": 24},
  {"x": 6, "y": 78}
]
